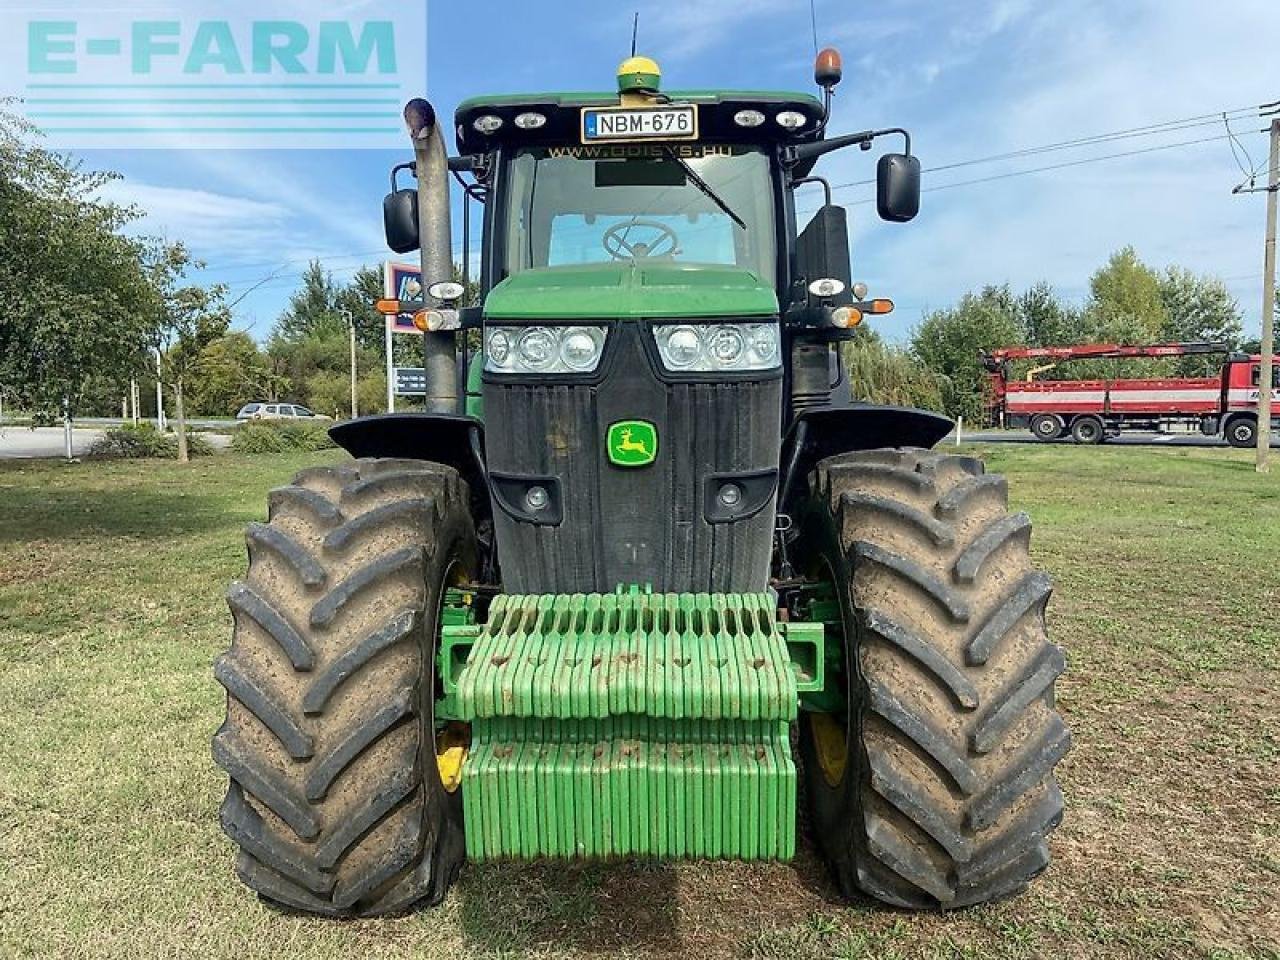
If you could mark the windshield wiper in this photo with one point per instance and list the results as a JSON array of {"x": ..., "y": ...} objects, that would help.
[{"x": 705, "y": 187}]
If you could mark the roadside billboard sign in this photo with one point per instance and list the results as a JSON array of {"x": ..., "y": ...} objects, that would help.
[{"x": 402, "y": 281}]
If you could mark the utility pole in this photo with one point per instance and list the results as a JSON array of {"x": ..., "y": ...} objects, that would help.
[
  {"x": 351, "y": 327},
  {"x": 1268, "y": 303}
]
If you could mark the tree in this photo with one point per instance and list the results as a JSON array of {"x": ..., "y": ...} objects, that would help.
[
  {"x": 309, "y": 348},
  {"x": 883, "y": 373},
  {"x": 359, "y": 297},
  {"x": 1199, "y": 307},
  {"x": 185, "y": 320},
  {"x": 232, "y": 371},
  {"x": 949, "y": 342},
  {"x": 313, "y": 311},
  {"x": 1125, "y": 298},
  {"x": 74, "y": 291},
  {"x": 1048, "y": 321}
]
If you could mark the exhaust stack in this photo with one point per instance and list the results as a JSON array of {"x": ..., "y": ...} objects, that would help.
[{"x": 431, "y": 164}]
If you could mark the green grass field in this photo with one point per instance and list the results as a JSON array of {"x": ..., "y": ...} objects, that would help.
[{"x": 1167, "y": 564}]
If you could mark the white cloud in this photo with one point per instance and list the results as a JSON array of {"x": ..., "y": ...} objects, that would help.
[{"x": 205, "y": 220}]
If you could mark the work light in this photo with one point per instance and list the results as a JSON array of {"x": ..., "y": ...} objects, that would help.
[{"x": 530, "y": 120}]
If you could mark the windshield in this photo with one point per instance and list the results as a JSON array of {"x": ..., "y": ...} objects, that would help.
[{"x": 601, "y": 204}]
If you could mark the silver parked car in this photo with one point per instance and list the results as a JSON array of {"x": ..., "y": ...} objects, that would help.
[{"x": 277, "y": 411}]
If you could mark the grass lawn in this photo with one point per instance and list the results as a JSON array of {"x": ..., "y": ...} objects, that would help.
[{"x": 1167, "y": 564}]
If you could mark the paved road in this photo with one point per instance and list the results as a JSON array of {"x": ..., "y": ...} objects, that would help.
[
  {"x": 1134, "y": 439},
  {"x": 24, "y": 443}
]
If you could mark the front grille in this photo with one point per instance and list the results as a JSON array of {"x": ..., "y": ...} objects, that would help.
[{"x": 640, "y": 525}]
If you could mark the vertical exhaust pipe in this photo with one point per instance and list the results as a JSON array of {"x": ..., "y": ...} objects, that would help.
[{"x": 435, "y": 243}]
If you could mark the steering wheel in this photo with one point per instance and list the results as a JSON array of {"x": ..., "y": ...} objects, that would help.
[{"x": 616, "y": 244}]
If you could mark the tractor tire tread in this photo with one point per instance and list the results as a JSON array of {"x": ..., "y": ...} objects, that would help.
[
  {"x": 949, "y": 790},
  {"x": 329, "y": 685}
]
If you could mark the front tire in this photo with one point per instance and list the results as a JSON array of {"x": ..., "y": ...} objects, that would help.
[
  {"x": 335, "y": 800},
  {"x": 1242, "y": 432},
  {"x": 933, "y": 787}
]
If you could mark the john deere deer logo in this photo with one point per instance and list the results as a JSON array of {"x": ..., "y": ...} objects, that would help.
[{"x": 632, "y": 443}]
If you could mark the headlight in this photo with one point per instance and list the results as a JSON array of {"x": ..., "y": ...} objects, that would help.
[
  {"x": 764, "y": 345},
  {"x": 726, "y": 345},
  {"x": 543, "y": 349},
  {"x": 498, "y": 347},
  {"x": 718, "y": 347},
  {"x": 683, "y": 347},
  {"x": 580, "y": 348},
  {"x": 536, "y": 348}
]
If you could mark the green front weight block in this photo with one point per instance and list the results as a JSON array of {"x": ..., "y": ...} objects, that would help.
[{"x": 629, "y": 724}]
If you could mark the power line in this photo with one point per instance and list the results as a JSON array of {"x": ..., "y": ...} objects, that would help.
[
  {"x": 1146, "y": 130},
  {"x": 325, "y": 258},
  {"x": 278, "y": 280},
  {"x": 1048, "y": 167},
  {"x": 1077, "y": 163},
  {"x": 1249, "y": 172}
]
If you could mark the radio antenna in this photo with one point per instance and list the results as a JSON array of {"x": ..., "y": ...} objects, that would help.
[{"x": 635, "y": 28}]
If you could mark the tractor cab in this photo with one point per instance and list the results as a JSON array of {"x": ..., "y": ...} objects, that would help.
[{"x": 641, "y": 263}]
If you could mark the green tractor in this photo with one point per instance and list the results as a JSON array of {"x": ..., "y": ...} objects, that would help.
[{"x": 641, "y": 542}]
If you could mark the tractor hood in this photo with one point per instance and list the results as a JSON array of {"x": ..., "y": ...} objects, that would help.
[{"x": 631, "y": 291}]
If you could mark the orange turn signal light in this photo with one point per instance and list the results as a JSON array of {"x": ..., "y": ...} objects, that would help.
[
  {"x": 878, "y": 306},
  {"x": 421, "y": 322},
  {"x": 846, "y": 317},
  {"x": 387, "y": 306}
]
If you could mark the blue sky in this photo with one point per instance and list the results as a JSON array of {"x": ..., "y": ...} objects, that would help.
[{"x": 970, "y": 79}]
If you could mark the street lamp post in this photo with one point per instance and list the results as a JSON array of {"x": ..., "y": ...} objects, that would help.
[{"x": 351, "y": 327}]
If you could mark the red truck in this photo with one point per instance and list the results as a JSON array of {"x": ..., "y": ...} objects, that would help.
[{"x": 1225, "y": 404}]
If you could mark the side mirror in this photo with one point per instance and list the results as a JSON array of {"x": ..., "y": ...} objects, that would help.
[
  {"x": 898, "y": 187},
  {"x": 400, "y": 220}
]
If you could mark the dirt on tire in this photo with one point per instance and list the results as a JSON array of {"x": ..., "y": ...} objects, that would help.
[
  {"x": 948, "y": 793},
  {"x": 335, "y": 802}
]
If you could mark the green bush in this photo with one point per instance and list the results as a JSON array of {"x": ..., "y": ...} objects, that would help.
[
  {"x": 880, "y": 372},
  {"x": 145, "y": 441},
  {"x": 272, "y": 437}
]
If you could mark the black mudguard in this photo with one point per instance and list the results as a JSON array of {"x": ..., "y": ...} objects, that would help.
[
  {"x": 449, "y": 438},
  {"x": 826, "y": 431}
]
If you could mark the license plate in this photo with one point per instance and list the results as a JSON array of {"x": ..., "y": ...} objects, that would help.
[{"x": 626, "y": 123}]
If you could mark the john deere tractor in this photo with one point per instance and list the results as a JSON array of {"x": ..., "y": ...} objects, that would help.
[{"x": 641, "y": 541}]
